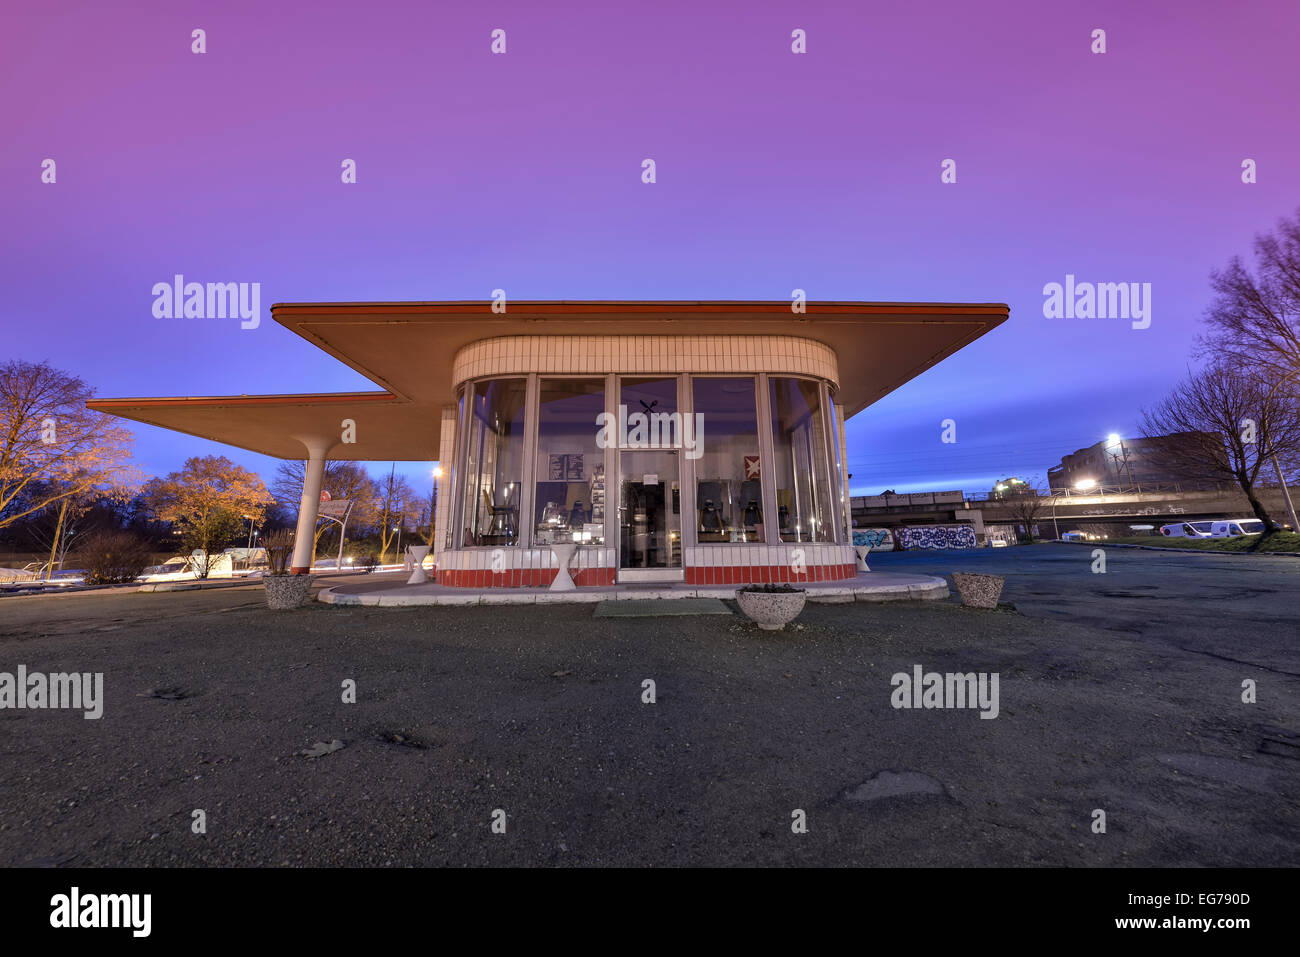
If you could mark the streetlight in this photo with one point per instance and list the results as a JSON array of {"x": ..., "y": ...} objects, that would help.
[
  {"x": 1084, "y": 484},
  {"x": 250, "y": 531}
]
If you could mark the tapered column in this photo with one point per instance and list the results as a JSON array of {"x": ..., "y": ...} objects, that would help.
[{"x": 308, "y": 510}]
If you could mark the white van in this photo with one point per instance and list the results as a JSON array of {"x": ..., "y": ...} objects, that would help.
[
  {"x": 1187, "y": 530},
  {"x": 1236, "y": 527}
]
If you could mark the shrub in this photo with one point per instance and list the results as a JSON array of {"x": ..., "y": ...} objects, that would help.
[
  {"x": 279, "y": 551},
  {"x": 112, "y": 557},
  {"x": 367, "y": 561}
]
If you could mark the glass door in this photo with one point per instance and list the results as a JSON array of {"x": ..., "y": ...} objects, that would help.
[
  {"x": 650, "y": 439},
  {"x": 650, "y": 510}
]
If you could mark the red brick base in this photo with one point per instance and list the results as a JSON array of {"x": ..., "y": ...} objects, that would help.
[
  {"x": 521, "y": 578},
  {"x": 765, "y": 574},
  {"x": 603, "y": 577}
]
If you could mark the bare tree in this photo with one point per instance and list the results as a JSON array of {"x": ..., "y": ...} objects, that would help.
[
  {"x": 1254, "y": 319},
  {"x": 394, "y": 500},
  {"x": 1025, "y": 506},
  {"x": 343, "y": 480},
  {"x": 52, "y": 447},
  {"x": 1225, "y": 422},
  {"x": 53, "y": 529}
]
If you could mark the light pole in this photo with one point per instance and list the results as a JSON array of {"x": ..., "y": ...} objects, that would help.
[
  {"x": 398, "y": 530},
  {"x": 250, "y": 531}
]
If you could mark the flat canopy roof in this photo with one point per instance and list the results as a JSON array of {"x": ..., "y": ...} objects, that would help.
[{"x": 408, "y": 348}]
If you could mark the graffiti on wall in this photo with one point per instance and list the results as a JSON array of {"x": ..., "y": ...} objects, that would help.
[
  {"x": 880, "y": 539},
  {"x": 937, "y": 536}
]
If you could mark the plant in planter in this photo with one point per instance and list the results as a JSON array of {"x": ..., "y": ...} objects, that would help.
[
  {"x": 771, "y": 607},
  {"x": 283, "y": 590},
  {"x": 978, "y": 591}
]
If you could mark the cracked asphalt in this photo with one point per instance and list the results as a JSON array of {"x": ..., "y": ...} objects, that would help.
[{"x": 1119, "y": 691}]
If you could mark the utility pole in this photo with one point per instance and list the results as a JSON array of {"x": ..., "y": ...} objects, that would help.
[
  {"x": 1286, "y": 496},
  {"x": 1115, "y": 439}
]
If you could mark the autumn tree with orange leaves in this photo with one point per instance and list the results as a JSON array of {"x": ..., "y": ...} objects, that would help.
[{"x": 207, "y": 501}]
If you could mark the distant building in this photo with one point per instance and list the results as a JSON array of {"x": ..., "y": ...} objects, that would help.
[
  {"x": 1011, "y": 488},
  {"x": 1117, "y": 462}
]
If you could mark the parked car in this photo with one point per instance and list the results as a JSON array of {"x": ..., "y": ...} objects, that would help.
[
  {"x": 1074, "y": 537},
  {"x": 998, "y": 543}
]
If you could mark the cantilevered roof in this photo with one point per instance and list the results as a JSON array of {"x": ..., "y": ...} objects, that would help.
[
  {"x": 408, "y": 348},
  {"x": 387, "y": 429}
]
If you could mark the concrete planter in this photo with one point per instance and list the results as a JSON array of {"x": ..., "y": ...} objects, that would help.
[
  {"x": 287, "y": 591},
  {"x": 978, "y": 591},
  {"x": 771, "y": 610}
]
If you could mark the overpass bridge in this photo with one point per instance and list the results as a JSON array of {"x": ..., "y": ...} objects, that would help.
[{"x": 1065, "y": 511}]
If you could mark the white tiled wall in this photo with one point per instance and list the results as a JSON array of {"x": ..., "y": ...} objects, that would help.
[
  {"x": 596, "y": 556},
  {"x": 603, "y": 354}
]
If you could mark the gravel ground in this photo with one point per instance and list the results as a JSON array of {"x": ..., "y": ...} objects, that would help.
[{"x": 1129, "y": 702}]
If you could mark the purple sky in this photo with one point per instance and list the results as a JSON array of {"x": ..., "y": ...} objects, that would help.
[{"x": 522, "y": 171}]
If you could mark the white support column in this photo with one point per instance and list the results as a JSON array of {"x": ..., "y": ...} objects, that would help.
[
  {"x": 845, "y": 491},
  {"x": 446, "y": 493},
  {"x": 308, "y": 509}
]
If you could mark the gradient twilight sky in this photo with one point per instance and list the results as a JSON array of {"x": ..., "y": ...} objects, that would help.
[{"x": 775, "y": 171}]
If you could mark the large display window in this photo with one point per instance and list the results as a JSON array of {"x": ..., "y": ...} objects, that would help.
[
  {"x": 805, "y": 508},
  {"x": 728, "y": 470},
  {"x": 569, "y": 504},
  {"x": 494, "y": 462},
  {"x": 533, "y": 451}
]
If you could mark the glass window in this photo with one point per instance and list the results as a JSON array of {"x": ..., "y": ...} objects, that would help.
[
  {"x": 451, "y": 473},
  {"x": 494, "y": 458},
  {"x": 804, "y": 502},
  {"x": 839, "y": 484},
  {"x": 570, "y": 500},
  {"x": 729, "y": 489}
]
